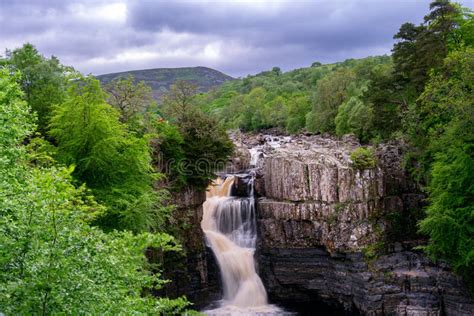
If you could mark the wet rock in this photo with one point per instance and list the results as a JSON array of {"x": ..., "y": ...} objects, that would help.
[{"x": 193, "y": 273}]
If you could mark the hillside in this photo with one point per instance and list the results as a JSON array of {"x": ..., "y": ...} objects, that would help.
[
  {"x": 305, "y": 99},
  {"x": 161, "y": 79}
]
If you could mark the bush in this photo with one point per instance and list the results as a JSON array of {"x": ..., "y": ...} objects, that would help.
[{"x": 363, "y": 158}]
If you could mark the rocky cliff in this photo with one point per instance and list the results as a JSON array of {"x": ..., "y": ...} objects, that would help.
[
  {"x": 332, "y": 233},
  {"x": 193, "y": 273}
]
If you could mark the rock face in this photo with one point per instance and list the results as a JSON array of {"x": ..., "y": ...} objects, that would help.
[
  {"x": 400, "y": 283},
  {"x": 326, "y": 233},
  {"x": 194, "y": 273}
]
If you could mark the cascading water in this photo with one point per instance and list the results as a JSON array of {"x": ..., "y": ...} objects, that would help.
[{"x": 229, "y": 224}]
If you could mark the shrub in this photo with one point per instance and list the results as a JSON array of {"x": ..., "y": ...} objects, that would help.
[{"x": 363, "y": 158}]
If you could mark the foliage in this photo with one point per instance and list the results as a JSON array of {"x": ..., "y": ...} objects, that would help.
[
  {"x": 42, "y": 80},
  {"x": 14, "y": 127},
  {"x": 205, "y": 145},
  {"x": 373, "y": 251},
  {"x": 363, "y": 158},
  {"x": 51, "y": 260},
  {"x": 448, "y": 119},
  {"x": 291, "y": 101},
  {"x": 297, "y": 108},
  {"x": 131, "y": 99},
  {"x": 115, "y": 164},
  {"x": 169, "y": 152},
  {"x": 331, "y": 92},
  {"x": 354, "y": 116}
]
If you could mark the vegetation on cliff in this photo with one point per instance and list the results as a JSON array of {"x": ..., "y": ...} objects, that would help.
[{"x": 422, "y": 95}]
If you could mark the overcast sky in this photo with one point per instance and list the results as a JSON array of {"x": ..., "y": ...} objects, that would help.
[{"x": 236, "y": 37}]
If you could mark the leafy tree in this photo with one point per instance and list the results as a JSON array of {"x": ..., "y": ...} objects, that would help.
[
  {"x": 434, "y": 110},
  {"x": 405, "y": 54},
  {"x": 254, "y": 117},
  {"x": 115, "y": 164},
  {"x": 206, "y": 145},
  {"x": 232, "y": 115},
  {"x": 51, "y": 260},
  {"x": 354, "y": 116},
  {"x": 298, "y": 107},
  {"x": 275, "y": 112},
  {"x": 179, "y": 101},
  {"x": 43, "y": 81},
  {"x": 422, "y": 48},
  {"x": 168, "y": 152},
  {"x": 446, "y": 118},
  {"x": 131, "y": 99},
  {"x": 464, "y": 34},
  {"x": 388, "y": 100},
  {"x": 331, "y": 91}
]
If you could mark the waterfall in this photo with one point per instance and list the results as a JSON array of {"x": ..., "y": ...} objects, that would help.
[{"x": 229, "y": 224}]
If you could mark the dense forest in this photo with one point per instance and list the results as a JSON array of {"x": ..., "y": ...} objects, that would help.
[{"x": 87, "y": 170}]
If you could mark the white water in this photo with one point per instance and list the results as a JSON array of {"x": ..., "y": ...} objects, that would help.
[
  {"x": 256, "y": 152},
  {"x": 229, "y": 224}
]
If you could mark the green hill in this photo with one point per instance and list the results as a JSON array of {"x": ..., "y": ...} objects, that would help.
[{"x": 161, "y": 79}]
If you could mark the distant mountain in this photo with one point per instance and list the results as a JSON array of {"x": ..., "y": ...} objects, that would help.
[{"x": 161, "y": 79}]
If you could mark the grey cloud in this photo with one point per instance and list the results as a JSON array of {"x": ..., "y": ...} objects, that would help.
[
  {"x": 237, "y": 38},
  {"x": 289, "y": 34}
]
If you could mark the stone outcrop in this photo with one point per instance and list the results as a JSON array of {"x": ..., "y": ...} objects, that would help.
[
  {"x": 193, "y": 273},
  {"x": 400, "y": 283},
  {"x": 326, "y": 232}
]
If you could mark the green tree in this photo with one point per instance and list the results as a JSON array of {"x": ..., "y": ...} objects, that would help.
[
  {"x": 422, "y": 48},
  {"x": 206, "y": 145},
  {"x": 331, "y": 91},
  {"x": 405, "y": 55},
  {"x": 51, "y": 260},
  {"x": 179, "y": 101},
  {"x": 131, "y": 99},
  {"x": 253, "y": 116},
  {"x": 43, "y": 81},
  {"x": 275, "y": 113},
  {"x": 388, "y": 100},
  {"x": 446, "y": 122},
  {"x": 354, "y": 116},
  {"x": 115, "y": 164},
  {"x": 464, "y": 34},
  {"x": 298, "y": 107},
  {"x": 168, "y": 152}
]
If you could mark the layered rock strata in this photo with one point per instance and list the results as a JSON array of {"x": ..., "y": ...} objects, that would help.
[
  {"x": 325, "y": 227},
  {"x": 193, "y": 273}
]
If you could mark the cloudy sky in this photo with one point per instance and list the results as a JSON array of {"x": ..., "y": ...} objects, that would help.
[{"x": 236, "y": 37}]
